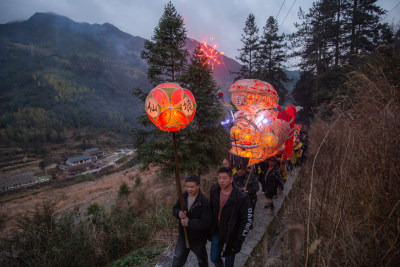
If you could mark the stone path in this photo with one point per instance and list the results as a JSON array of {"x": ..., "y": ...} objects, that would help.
[{"x": 262, "y": 218}]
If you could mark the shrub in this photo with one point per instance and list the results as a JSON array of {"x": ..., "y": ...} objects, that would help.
[
  {"x": 347, "y": 196},
  {"x": 123, "y": 190},
  {"x": 140, "y": 257},
  {"x": 43, "y": 240}
]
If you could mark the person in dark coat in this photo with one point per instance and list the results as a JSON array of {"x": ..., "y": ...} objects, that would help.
[
  {"x": 231, "y": 218},
  {"x": 252, "y": 187},
  {"x": 272, "y": 182},
  {"x": 197, "y": 219}
]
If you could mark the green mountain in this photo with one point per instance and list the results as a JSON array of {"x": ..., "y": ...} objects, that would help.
[{"x": 57, "y": 75}]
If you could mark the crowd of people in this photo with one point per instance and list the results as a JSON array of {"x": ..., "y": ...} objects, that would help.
[{"x": 226, "y": 217}]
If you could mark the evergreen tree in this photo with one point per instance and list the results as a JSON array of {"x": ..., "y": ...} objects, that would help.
[
  {"x": 166, "y": 57},
  {"x": 201, "y": 143},
  {"x": 248, "y": 53},
  {"x": 329, "y": 35},
  {"x": 302, "y": 94},
  {"x": 205, "y": 138},
  {"x": 166, "y": 53},
  {"x": 271, "y": 58},
  {"x": 313, "y": 38},
  {"x": 364, "y": 27}
]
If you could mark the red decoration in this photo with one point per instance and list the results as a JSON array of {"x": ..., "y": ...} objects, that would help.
[{"x": 170, "y": 107}]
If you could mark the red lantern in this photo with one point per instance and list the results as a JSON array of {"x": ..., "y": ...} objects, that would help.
[{"x": 170, "y": 107}]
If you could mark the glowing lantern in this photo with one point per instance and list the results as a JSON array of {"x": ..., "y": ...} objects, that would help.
[
  {"x": 261, "y": 126},
  {"x": 170, "y": 107}
]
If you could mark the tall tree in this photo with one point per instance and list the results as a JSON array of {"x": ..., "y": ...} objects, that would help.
[
  {"x": 205, "y": 139},
  {"x": 364, "y": 27},
  {"x": 271, "y": 58},
  {"x": 200, "y": 144},
  {"x": 248, "y": 52},
  {"x": 302, "y": 94},
  {"x": 166, "y": 58},
  {"x": 166, "y": 53},
  {"x": 328, "y": 37},
  {"x": 313, "y": 38}
]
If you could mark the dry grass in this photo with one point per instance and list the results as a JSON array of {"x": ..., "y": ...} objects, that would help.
[{"x": 348, "y": 194}]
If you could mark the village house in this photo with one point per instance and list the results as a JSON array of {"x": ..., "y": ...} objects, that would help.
[
  {"x": 95, "y": 153},
  {"x": 78, "y": 160},
  {"x": 77, "y": 164}
]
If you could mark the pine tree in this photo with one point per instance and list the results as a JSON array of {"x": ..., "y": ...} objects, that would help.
[
  {"x": 364, "y": 29},
  {"x": 271, "y": 58},
  {"x": 205, "y": 138},
  {"x": 330, "y": 34},
  {"x": 314, "y": 37},
  {"x": 201, "y": 143},
  {"x": 248, "y": 53},
  {"x": 166, "y": 58},
  {"x": 166, "y": 53}
]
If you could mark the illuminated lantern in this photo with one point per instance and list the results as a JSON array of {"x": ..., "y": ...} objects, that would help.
[
  {"x": 170, "y": 107},
  {"x": 261, "y": 126}
]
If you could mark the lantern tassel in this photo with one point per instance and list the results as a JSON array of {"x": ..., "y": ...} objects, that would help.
[
  {"x": 221, "y": 97},
  {"x": 238, "y": 161}
]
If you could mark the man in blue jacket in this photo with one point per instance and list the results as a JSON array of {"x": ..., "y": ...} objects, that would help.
[
  {"x": 197, "y": 219},
  {"x": 231, "y": 219}
]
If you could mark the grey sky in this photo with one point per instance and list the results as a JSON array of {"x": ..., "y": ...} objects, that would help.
[{"x": 223, "y": 20}]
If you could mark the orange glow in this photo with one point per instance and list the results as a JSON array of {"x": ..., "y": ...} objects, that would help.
[
  {"x": 260, "y": 129},
  {"x": 164, "y": 118},
  {"x": 170, "y": 107},
  {"x": 179, "y": 116}
]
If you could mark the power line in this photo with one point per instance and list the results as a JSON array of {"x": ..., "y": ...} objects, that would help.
[
  {"x": 387, "y": 14},
  {"x": 287, "y": 14},
  {"x": 280, "y": 10}
]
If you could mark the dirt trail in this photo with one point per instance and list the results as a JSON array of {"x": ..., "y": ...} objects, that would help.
[{"x": 102, "y": 191}]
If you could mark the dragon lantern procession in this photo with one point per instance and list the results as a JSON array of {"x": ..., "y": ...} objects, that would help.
[{"x": 262, "y": 128}]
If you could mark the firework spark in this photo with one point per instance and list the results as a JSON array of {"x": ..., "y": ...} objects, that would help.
[{"x": 212, "y": 54}]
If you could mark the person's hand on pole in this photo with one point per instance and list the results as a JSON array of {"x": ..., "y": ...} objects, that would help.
[
  {"x": 182, "y": 215},
  {"x": 185, "y": 221}
]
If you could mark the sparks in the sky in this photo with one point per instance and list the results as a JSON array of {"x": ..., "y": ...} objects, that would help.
[{"x": 212, "y": 54}]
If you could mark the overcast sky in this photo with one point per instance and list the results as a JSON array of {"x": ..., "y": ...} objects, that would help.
[{"x": 219, "y": 22}]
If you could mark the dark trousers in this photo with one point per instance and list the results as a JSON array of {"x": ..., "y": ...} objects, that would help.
[
  {"x": 269, "y": 195},
  {"x": 181, "y": 252},
  {"x": 216, "y": 250}
]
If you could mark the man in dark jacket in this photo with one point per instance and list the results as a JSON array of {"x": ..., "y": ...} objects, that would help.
[
  {"x": 272, "y": 182},
  {"x": 197, "y": 219},
  {"x": 231, "y": 218},
  {"x": 252, "y": 187}
]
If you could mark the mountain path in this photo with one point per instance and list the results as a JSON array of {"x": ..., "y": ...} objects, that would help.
[{"x": 262, "y": 219}]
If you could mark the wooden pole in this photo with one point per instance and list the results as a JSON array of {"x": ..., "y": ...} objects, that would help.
[
  {"x": 248, "y": 177},
  {"x": 178, "y": 185}
]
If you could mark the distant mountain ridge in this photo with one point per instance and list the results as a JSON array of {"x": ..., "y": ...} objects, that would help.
[{"x": 75, "y": 75}]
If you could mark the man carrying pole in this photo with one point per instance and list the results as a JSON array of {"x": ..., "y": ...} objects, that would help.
[{"x": 196, "y": 217}]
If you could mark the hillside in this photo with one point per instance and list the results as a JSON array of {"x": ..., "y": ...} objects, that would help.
[
  {"x": 59, "y": 77},
  {"x": 58, "y": 74}
]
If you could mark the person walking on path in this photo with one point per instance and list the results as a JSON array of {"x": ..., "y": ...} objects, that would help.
[
  {"x": 197, "y": 219},
  {"x": 252, "y": 186},
  {"x": 272, "y": 182},
  {"x": 231, "y": 219}
]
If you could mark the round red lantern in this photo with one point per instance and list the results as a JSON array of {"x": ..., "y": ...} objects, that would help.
[{"x": 170, "y": 107}]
